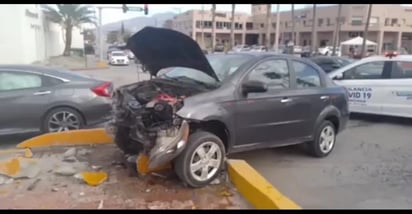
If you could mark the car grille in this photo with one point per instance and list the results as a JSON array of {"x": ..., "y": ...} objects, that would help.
[{"x": 120, "y": 61}]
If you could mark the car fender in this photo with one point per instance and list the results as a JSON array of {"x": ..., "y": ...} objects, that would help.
[
  {"x": 208, "y": 112},
  {"x": 330, "y": 110}
]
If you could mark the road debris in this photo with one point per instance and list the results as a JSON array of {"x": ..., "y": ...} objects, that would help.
[
  {"x": 28, "y": 153},
  {"x": 70, "y": 153},
  {"x": 94, "y": 182},
  {"x": 94, "y": 178}
]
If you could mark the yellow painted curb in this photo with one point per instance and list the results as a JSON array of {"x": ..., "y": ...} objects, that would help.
[
  {"x": 256, "y": 189},
  {"x": 11, "y": 151},
  {"x": 101, "y": 64},
  {"x": 77, "y": 137}
]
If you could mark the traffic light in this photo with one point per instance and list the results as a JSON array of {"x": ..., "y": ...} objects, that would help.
[
  {"x": 146, "y": 9},
  {"x": 125, "y": 8}
]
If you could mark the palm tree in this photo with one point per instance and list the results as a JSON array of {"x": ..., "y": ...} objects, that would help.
[
  {"x": 69, "y": 16},
  {"x": 232, "y": 28},
  {"x": 337, "y": 30},
  {"x": 365, "y": 33},
  {"x": 313, "y": 46},
  {"x": 213, "y": 27},
  {"x": 268, "y": 24}
]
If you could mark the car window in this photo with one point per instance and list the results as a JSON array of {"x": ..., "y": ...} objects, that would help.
[
  {"x": 369, "y": 70},
  {"x": 16, "y": 81},
  {"x": 306, "y": 75},
  {"x": 401, "y": 69},
  {"x": 274, "y": 73}
]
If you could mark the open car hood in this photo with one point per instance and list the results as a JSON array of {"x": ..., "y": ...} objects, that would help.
[{"x": 159, "y": 48}]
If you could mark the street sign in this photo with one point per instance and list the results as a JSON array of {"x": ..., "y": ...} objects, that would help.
[{"x": 135, "y": 8}]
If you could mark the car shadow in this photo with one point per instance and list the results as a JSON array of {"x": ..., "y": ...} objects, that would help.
[
  {"x": 10, "y": 141},
  {"x": 381, "y": 119}
]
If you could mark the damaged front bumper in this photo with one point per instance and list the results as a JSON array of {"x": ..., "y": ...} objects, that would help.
[{"x": 167, "y": 147}]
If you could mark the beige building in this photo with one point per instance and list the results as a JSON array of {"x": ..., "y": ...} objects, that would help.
[{"x": 390, "y": 25}]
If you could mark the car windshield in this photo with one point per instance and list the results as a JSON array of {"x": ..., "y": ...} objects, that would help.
[
  {"x": 345, "y": 61},
  {"x": 118, "y": 54},
  {"x": 223, "y": 65}
]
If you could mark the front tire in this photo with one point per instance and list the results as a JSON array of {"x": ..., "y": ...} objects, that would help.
[
  {"x": 325, "y": 140},
  {"x": 201, "y": 161}
]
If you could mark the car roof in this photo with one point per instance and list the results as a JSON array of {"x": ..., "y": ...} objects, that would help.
[
  {"x": 47, "y": 70},
  {"x": 384, "y": 58}
]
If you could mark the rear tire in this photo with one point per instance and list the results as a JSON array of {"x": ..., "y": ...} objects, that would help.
[
  {"x": 325, "y": 140},
  {"x": 125, "y": 143},
  {"x": 189, "y": 163},
  {"x": 55, "y": 116}
]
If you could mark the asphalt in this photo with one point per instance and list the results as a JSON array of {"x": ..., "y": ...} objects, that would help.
[{"x": 369, "y": 167}]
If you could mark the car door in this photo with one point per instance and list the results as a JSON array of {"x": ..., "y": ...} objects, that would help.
[
  {"x": 398, "y": 95},
  {"x": 23, "y": 97},
  {"x": 366, "y": 84},
  {"x": 309, "y": 95},
  {"x": 267, "y": 117}
]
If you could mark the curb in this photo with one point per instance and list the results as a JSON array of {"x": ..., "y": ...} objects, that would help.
[{"x": 256, "y": 189}]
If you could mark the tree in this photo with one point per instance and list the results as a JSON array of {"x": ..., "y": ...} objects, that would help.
[
  {"x": 126, "y": 35},
  {"x": 365, "y": 33},
  {"x": 213, "y": 27},
  {"x": 232, "y": 28},
  {"x": 69, "y": 16},
  {"x": 268, "y": 24},
  {"x": 293, "y": 23}
]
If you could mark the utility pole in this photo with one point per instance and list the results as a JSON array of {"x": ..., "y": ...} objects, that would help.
[
  {"x": 337, "y": 30},
  {"x": 313, "y": 46},
  {"x": 277, "y": 29},
  {"x": 365, "y": 33},
  {"x": 100, "y": 35},
  {"x": 232, "y": 28},
  {"x": 268, "y": 24},
  {"x": 202, "y": 27},
  {"x": 293, "y": 24},
  {"x": 213, "y": 27}
]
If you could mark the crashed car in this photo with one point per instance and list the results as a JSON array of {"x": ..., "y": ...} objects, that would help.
[{"x": 203, "y": 107}]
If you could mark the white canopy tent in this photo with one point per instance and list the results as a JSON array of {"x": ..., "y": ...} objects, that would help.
[{"x": 357, "y": 41}]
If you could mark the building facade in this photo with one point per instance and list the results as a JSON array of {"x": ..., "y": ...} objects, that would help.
[
  {"x": 26, "y": 36},
  {"x": 390, "y": 25}
]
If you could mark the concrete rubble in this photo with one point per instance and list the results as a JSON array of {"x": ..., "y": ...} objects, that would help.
[{"x": 99, "y": 178}]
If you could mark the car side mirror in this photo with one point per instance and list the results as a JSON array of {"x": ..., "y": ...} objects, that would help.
[
  {"x": 338, "y": 77},
  {"x": 254, "y": 87}
]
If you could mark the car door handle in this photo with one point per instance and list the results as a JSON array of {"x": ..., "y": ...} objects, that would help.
[
  {"x": 285, "y": 100},
  {"x": 39, "y": 93},
  {"x": 324, "y": 97}
]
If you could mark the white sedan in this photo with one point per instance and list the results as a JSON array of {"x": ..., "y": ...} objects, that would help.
[
  {"x": 379, "y": 85},
  {"x": 118, "y": 58}
]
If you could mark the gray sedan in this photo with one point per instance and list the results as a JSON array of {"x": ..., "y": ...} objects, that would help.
[{"x": 35, "y": 98}]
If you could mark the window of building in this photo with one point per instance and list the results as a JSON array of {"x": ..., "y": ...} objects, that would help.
[
  {"x": 286, "y": 24},
  {"x": 274, "y": 73},
  {"x": 320, "y": 22},
  {"x": 274, "y": 25},
  {"x": 369, "y": 70},
  {"x": 198, "y": 24},
  {"x": 262, "y": 25},
  {"x": 249, "y": 25},
  {"x": 304, "y": 23},
  {"x": 328, "y": 22},
  {"x": 357, "y": 20},
  {"x": 373, "y": 21},
  {"x": 394, "y": 22},
  {"x": 306, "y": 75}
]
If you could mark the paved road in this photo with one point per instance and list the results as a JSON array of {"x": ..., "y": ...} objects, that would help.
[{"x": 369, "y": 168}]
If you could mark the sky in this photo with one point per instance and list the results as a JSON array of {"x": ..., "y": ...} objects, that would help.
[{"x": 114, "y": 15}]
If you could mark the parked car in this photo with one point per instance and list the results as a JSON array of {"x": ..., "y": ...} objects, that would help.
[
  {"x": 331, "y": 63},
  {"x": 110, "y": 50},
  {"x": 380, "y": 85},
  {"x": 35, "y": 98},
  {"x": 118, "y": 58},
  {"x": 207, "y": 106},
  {"x": 258, "y": 48},
  {"x": 328, "y": 50},
  {"x": 240, "y": 48},
  {"x": 220, "y": 48}
]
